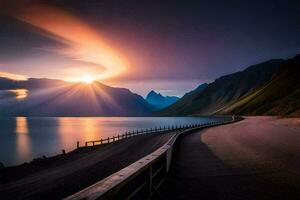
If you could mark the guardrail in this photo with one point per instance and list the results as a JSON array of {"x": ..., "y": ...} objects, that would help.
[
  {"x": 129, "y": 134},
  {"x": 142, "y": 178},
  {"x": 134, "y": 133}
]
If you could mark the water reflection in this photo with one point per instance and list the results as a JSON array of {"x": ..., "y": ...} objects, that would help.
[
  {"x": 82, "y": 129},
  {"x": 23, "y": 144},
  {"x": 21, "y": 125},
  {"x": 90, "y": 129},
  {"x": 22, "y": 139}
]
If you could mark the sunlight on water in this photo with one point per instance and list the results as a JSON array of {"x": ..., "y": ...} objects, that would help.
[
  {"x": 89, "y": 129},
  {"x": 21, "y": 125},
  {"x": 23, "y": 145},
  {"x": 22, "y": 139}
]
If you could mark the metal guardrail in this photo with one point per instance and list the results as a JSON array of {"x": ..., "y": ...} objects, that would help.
[
  {"x": 129, "y": 134},
  {"x": 142, "y": 178}
]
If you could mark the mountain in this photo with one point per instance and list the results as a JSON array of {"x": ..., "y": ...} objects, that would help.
[
  {"x": 46, "y": 97},
  {"x": 280, "y": 96},
  {"x": 160, "y": 101},
  {"x": 179, "y": 107},
  {"x": 225, "y": 90}
]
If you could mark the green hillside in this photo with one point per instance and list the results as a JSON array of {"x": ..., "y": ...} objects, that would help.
[
  {"x": 224, "y": 91},
  {"x": 281, "y": 96}
]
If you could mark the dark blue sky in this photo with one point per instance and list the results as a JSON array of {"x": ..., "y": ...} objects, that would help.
[{"x": 171, "y": 46}]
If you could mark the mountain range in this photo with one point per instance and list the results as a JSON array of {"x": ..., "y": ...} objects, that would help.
[
  {"x": 160, "y": 101},
  {"x": 268, "y": 88},
  {"x": 46, "y": 97}
]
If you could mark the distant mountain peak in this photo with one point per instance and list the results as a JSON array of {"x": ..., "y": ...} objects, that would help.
[
  {"x": 152, "y": 93},
  {"x": 160, "y": 101}
]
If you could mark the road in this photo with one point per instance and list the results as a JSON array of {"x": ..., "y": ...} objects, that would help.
[
  {"x": 257, "y": 158},
  {"x": 56, "y": 178}
]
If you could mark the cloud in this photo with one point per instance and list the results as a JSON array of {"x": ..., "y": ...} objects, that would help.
[
  {"x": 81, "y": 41},
  {"x": 12, "y": 76}
]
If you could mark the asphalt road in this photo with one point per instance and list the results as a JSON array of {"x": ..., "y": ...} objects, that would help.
[
  {"x": 61, "y": 176},
  {"x": 252, "y": 159}
]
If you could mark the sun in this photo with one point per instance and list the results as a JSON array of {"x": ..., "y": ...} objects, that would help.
[{"x": 88, "y": 79}]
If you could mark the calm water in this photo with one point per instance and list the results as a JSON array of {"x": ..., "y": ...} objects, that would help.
[{"x": 22, "y": 139}]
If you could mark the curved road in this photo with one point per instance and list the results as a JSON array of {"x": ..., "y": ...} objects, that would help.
[
  {"x": 56, "y": 178},
  {"x": 250, "y": 159}
]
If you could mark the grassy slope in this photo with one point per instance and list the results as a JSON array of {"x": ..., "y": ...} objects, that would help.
[
  {"x": 182, "y": 106},
  {"x": 279, "y": 97},
  {"x": 224, "y": 91}
]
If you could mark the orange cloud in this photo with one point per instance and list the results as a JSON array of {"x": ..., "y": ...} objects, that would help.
[
  {"x": 82, "y": 42},
  {"x": 13, "y": 76}
]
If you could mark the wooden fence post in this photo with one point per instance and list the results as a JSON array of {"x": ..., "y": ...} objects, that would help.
[{"x": 77, "y": 144}]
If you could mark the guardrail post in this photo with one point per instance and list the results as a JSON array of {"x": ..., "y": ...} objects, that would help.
[
  {"x": 150, "y": 181},
  {"x": 168, "y": 159}
]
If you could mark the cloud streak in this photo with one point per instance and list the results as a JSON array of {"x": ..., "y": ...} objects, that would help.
[
  {"x": 12, "y": 76},
  {"x": 82, "y": 42}
]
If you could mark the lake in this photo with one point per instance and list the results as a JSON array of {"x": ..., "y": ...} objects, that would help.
[{"x": 22, "y": 138}]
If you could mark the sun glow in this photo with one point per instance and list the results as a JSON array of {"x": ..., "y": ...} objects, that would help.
[
  {"x": 88, "y": 79},
  {"x": 81, "y": 42}
]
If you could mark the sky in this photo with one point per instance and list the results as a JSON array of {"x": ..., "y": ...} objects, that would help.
[{"x": 167, "y": 46}]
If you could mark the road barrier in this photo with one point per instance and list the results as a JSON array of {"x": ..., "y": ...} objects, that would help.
[
  {"x": 129, "y": 134},
  {"x": 142, "y": 178}
]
